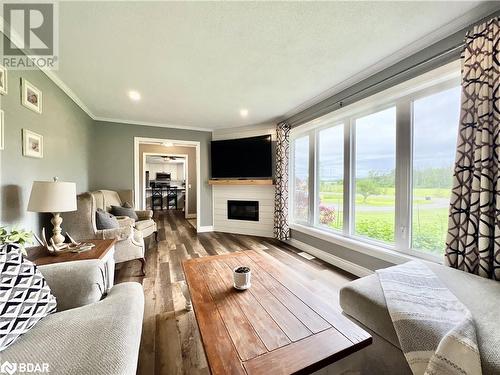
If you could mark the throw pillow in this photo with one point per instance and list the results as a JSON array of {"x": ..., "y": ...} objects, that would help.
[
  {"x": 124, "y": 211},
  {"x": 25, "y": 297},
  {"x": 104, "y": 220},
  {"x": 127, "y": 205}
]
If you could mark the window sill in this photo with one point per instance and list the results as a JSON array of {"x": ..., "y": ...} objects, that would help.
[{"x": 372, "y": 250}]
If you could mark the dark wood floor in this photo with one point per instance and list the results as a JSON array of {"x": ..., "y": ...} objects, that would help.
[{"x": 170, "y": 339}]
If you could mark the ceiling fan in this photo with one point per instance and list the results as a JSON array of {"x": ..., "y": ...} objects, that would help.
[{"x": 167, "y": 158}]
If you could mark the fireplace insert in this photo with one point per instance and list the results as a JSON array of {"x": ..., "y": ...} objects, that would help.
[{"x": 243, "y": 210}]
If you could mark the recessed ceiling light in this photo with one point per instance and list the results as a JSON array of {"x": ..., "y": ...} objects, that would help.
[
  {"x": 134, "y": 95},
  {"x": 168, "y": 144},
  {"x": 243, "y": 112}
]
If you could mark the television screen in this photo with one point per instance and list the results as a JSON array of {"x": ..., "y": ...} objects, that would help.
[{"x": 242, "y": 158}]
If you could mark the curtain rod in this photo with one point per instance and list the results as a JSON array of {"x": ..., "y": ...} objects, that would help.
[
  {"x": 449, "y": 52},
  {"x": 340, "y": 103},
  {"x": 309, "y": 113}
]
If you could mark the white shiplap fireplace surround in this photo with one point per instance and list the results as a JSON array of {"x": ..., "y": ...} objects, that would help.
[{"x": 264, "y": 194}]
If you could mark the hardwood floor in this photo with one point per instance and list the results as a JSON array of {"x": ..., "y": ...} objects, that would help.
[{"x": 170, "y": 341}]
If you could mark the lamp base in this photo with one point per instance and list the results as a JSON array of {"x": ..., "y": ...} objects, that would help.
[{"x": 56, "y": 221}]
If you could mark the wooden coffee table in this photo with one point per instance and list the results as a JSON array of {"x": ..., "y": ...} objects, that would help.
[{"x": 278, "y": 326}]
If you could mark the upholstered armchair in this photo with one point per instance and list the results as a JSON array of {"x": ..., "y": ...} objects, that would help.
[
  {"x": 107, "y": 198},
  {"x": 81, "y": 225}
]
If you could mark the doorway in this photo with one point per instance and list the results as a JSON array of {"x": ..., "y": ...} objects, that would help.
[
  {"x": 172, "y": 153},
  {"x": 168, "y": 175}
]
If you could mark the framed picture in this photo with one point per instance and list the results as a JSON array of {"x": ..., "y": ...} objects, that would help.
[
  {"x": 32, "y": 144},
  {"x": 2, "y": 134},
  {"x": 31, "y": 97},
  {"x": 3, "y": 80}
]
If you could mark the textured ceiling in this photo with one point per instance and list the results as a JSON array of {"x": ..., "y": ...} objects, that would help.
[{"x": 196, "y": 64}]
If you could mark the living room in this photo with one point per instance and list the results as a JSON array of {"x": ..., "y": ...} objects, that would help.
[{"x": 249, "y": 187}]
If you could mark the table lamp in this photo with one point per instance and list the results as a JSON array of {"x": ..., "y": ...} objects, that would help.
[{"x": 53, "y": 197}]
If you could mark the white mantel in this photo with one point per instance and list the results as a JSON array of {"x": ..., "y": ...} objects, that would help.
[{"x": 264, "y": 194}]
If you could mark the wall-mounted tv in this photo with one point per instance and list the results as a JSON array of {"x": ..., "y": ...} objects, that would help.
[{"x": 242, "y": 158}]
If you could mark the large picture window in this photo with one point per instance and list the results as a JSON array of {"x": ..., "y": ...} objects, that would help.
[
  {"x": 435, "y": 129},
  {"x": 382, "y": 170},
  {"x": 331, "y": 177},
  {"x": 375, "y": 173},
  {"x": 301, "y": 179}
]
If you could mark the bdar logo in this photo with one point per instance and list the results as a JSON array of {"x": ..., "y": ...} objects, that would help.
[{"x": 8, "y": 368}]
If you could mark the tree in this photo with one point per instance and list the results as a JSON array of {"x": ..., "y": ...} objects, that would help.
[{"x": 366, "y": 187}]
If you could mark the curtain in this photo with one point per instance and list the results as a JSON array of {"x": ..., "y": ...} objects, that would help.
[
  {"x": 281, "y": 228},
  {"x": 473, "y": 240}
]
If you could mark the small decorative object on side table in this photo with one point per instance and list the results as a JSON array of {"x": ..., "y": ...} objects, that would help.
[{"x": 103, "y": 249}]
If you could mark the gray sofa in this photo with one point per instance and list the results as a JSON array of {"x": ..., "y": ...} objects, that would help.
[
  {"x": 363, "y": 301},
  {"x": 88, "y": 334}
]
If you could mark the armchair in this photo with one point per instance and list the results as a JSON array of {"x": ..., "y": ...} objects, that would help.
[
  {"x": 90, "y": 333},
  {"x": 107, "y": 198},
  {"x": 81, "y": 225}
]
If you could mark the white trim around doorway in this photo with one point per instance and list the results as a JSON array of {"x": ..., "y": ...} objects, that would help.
[{"x": 138, "y": 141}]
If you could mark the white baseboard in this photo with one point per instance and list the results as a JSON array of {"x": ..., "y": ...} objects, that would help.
[
  {"x": 346, "y": 265},
  {"x": 207, "y": 228},
  {"x": 190, "y": 216}
]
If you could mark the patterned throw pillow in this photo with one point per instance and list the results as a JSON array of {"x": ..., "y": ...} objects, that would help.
[{"x": 25, "y": 297}]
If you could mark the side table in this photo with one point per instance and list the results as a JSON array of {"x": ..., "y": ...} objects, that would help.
[{"x": 103, "y": 250}]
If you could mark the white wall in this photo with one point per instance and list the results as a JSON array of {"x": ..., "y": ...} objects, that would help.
[{"x": 264, "y": 194}]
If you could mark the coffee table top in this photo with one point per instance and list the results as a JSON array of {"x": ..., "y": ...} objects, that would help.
[{"x": 278, "y": 326}]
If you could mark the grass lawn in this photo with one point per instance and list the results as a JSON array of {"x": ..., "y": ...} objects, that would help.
[
  {"x": 429, "y": 224},
  {"x": 373, "y": 200}
]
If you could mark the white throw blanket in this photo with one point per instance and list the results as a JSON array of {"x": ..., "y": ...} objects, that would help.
[{"x": 435, "y": 330}]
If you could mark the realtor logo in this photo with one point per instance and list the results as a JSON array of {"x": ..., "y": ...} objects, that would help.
[
  {"x": 8, "y": 368},
  {"x": 24, "y": 368},
  {"x": 30, "y": 35}
]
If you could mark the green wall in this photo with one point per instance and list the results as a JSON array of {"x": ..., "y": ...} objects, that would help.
[
  {"x": 112, "y": 160},
  {"x": 66, "y": 130}
]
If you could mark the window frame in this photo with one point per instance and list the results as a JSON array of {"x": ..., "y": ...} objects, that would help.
[
  {"x": 318, "y": 130},
  {"x": 401, "y": 97},
  {"x": 291, "y": 183},
  {"x": 352, "y": 218}
]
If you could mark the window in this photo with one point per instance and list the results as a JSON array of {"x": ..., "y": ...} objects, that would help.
[
  {"x": 331, "y": 177},
  {"x": 383, "y": 167},
  {"x": 435, "y": 129},
  {"x": 374, "y": 204},
  {"x": 301, "y": 179}
]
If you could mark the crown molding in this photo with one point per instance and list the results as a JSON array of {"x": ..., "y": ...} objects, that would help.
[
  {"x": 457, "y": 24},
  {"x": 478, "y": 13},
  {"x": 17, "y": 40},
  {"x": 147, "y": 123},
  {"x": 59, "y": 83}
]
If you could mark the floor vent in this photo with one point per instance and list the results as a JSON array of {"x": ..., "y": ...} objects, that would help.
[{"x": 306, "y": 255}]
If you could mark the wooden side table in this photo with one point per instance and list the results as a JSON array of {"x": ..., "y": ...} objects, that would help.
[{"x": 103, "y": 249}]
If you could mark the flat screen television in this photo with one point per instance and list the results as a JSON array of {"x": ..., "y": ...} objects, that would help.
[{"x": 242, "y": 158}]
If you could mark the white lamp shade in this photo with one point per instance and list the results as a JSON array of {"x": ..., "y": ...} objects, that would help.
[{"x": 54, "y": 197}]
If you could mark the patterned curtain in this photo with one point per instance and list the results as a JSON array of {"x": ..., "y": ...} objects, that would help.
[
  {"x": 281, "y": 228},
  {"x": 473, "y": 241}
]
